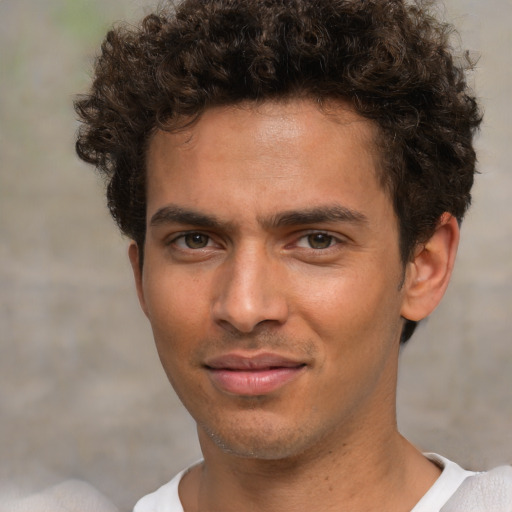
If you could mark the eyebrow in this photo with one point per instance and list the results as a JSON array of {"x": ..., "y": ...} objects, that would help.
[
  {"x": 316, "y": 215},
  {"x": 173, "y": 214}
]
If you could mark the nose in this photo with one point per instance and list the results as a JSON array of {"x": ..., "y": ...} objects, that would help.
[{"x": 250, "y": 292}]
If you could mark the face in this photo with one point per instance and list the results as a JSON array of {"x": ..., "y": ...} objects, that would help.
[{"x": 272, "y": 276}]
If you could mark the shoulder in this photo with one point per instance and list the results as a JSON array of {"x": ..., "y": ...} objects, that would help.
[
  {"x": 164, "y": 499},
  {"x": 483, "y": 492},
  {"x": 167, "y": 496}
]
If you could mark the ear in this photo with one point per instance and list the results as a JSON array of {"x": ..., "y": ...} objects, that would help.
[
  {"x": 134, "y": 255},
  {"x": 428, "y": 274}
]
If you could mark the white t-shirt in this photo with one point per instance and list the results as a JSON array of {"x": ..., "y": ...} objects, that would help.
[
  {"x": 166, "y": 499},
  {"x": 444, "y": 487}
]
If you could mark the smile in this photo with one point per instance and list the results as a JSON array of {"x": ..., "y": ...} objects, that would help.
[{"x": 252, "y": 376}]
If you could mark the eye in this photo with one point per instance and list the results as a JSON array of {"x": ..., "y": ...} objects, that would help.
[
  {"x": 316, "y": 241},
  {"x": 192, "y": 241}
]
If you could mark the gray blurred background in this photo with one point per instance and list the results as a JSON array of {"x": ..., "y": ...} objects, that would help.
[{"x": 82, "y": 394}]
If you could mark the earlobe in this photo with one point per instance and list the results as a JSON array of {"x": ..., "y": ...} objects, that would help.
[
  {"x": 428, "y": 274},
  {"x": 134, "y": 255}
]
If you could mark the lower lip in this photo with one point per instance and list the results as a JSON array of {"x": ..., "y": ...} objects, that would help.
[{"x": 253, "y": 382}]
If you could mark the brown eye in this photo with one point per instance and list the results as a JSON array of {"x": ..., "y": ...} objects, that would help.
[
  {"x": 319, "y": 241},
  {"x": 196, "y": 240}
]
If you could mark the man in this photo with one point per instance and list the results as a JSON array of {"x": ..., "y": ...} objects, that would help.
[{"x": 292, "y": 174}]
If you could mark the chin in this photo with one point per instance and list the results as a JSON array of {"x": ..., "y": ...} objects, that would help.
[{"x": 264, "y": 442}]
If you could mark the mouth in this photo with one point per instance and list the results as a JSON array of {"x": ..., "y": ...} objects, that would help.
[{"x": 252, "y": 375}]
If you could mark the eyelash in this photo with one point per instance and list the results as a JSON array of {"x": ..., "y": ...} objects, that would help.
[
  {"x": 183, "y": 237},
  {"x": 331, "y": 240}
]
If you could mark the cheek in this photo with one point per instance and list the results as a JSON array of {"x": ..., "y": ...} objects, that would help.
[
  {"x": 177, "y": 310},
  {"x": 173, "y": 293},
  {"x": 179, "y": 324},
  {"x": 351, "y": 308}
]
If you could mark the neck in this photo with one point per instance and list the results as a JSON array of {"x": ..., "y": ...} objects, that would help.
[{"x": 386, "y": 474}]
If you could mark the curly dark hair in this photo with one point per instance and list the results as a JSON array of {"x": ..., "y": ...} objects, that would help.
[{"x": 392, "y": 60}]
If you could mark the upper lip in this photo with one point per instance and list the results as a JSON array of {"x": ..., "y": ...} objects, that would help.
[{"x": 262, "y": 361}]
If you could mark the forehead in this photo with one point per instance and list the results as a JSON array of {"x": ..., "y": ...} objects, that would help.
[
  {"x": 281, "y": 122},
  {"x": 290, "y": 154}
]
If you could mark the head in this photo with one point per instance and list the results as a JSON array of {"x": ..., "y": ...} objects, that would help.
[{"x": 390, "y": 61}]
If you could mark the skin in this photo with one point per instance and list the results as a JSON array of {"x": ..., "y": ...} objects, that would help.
[{"x": 268, "y": 233}]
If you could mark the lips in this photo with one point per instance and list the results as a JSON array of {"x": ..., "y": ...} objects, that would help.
[{"x": 252, "y": 375}]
